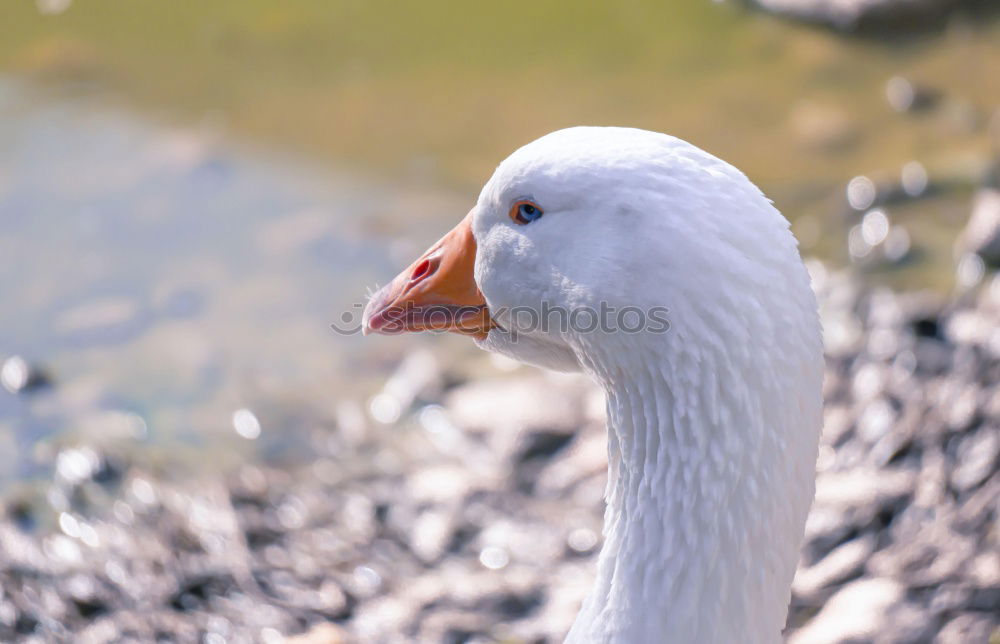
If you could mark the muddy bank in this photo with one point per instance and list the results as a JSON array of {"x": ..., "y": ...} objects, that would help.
[{"x": 472, "y": 511}]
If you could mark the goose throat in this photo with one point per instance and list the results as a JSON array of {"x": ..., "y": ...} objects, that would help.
[{"x": 697, "y": 540}]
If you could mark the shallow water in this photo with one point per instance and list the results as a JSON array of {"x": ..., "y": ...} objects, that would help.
[{"x": 164, "y": 281}]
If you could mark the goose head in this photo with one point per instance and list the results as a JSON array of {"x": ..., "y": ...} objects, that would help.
[{"x": 666, "y": 275}]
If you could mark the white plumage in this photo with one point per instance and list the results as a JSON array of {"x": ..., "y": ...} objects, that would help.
[{"x": 713, "y": 425}]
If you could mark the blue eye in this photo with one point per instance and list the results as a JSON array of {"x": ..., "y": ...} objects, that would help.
[{"x": 525, "y": 212}]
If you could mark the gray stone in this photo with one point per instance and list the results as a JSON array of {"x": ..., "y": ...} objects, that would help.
[
  {"x": 856, "y": 611},
  {"x": 965, "y": 628},
  {"x": 844, "y": 562},
  {"x": 855, "y": 15},
  {"x": 982, "y": 232},
  {"x": 976, "y": 458}
]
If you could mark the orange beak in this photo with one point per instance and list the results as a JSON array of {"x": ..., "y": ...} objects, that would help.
[{"x": 437, "y": 292}]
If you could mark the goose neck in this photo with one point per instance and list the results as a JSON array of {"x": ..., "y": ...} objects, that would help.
[{"x": 686, "y": 554}]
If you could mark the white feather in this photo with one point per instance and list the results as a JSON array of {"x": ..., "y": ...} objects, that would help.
[{"x": 713, "y": 425}]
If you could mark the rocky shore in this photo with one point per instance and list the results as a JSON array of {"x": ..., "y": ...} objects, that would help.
[{"x": 474, "y": 513}]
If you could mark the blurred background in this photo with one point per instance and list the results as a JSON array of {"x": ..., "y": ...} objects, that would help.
[{"x": 191, "y": 193}]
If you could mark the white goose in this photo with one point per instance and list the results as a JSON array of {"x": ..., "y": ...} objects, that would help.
[{"x": 713, "y": 425}]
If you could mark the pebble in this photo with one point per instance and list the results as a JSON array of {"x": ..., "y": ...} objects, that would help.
[
  {"x": 468, "y": 518},
  {"x": 904, "y": 96},
  {"x": 15, "y": 374},
  {"x": 855, "y": 611},
  {"x": 18, "y": 376},
  {"x": 246, "y": 424},
  {"x": 981, "y": 236},
  {"x": 861, "y": 192},
  {"x": 914, "y": 179},
  {"x": 844, "y": 562},
  {"x": 323, "y": 633}
]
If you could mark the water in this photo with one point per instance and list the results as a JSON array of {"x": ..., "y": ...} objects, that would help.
[{"x": 165, "y": 281}]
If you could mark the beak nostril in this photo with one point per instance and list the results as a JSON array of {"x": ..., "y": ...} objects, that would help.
[{"x": 422, "y": 270}]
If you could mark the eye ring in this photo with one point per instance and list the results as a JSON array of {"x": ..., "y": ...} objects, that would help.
[{"x": 525, "y": 211}]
